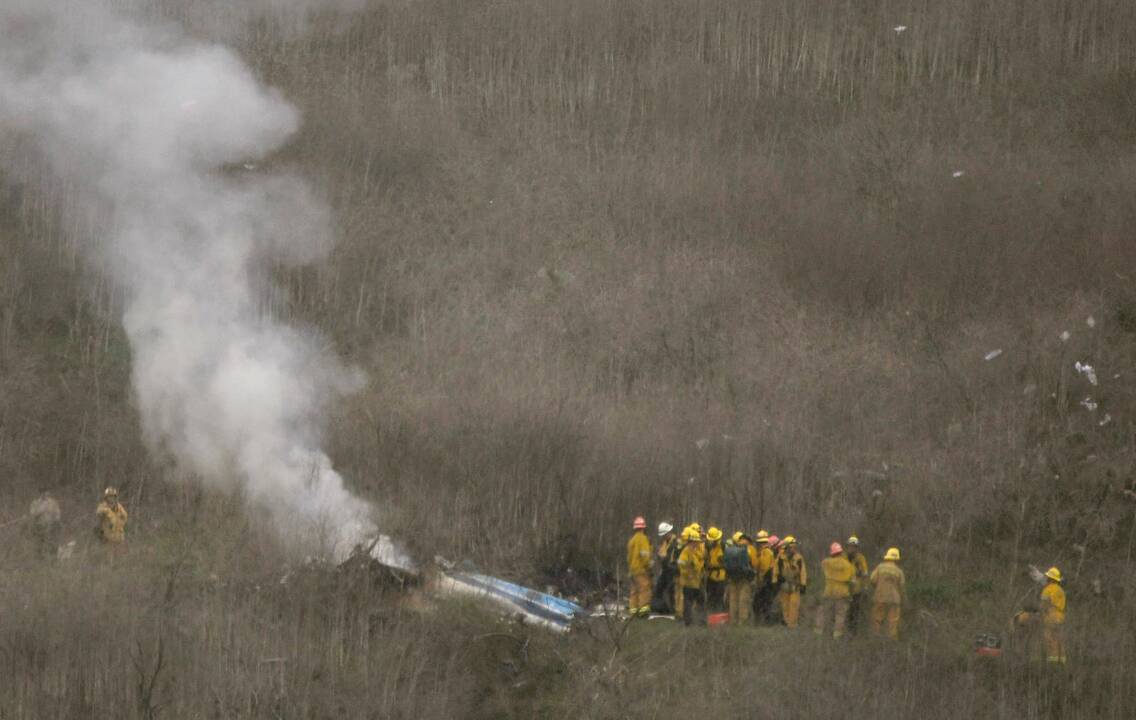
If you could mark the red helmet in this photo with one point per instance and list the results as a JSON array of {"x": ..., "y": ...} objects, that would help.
[
  {"x": 834, "y": 549},
  {"x": 640, "y": 523},
  {"x": 774, "y": 541}
]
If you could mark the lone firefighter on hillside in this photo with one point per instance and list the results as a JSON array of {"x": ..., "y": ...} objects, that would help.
[
  {"x": 112, "y": 516},
  {"x": 1052, "y": 608}
]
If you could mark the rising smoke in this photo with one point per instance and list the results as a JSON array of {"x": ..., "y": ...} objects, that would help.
[{"x": 148, "y": 125}]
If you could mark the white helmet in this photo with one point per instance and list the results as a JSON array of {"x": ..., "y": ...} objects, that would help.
[{"x": 664, "y": 528}]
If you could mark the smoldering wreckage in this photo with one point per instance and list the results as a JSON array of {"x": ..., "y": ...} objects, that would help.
[{"x": 386, "y": 559}]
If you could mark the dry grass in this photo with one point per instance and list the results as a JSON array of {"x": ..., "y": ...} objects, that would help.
[{"x": 577, "y": 237}]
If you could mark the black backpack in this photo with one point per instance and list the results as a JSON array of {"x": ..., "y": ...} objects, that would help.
[{"x": 736, "y": 562}]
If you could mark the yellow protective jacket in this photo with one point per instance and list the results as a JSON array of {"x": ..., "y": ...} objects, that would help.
[
  {"x": 838, "y": 577},
  {"x": 112, "y": 522},
  {"x": 638, "y": 554},
  {"x": 889, "y": 583},
  {"x": 715, "y": 562},
  {"x": 764, "y": 564},
  {"x": 1053, "y": 604},
  {"x": 790, "y": 570},
  {"x": 691, "y": 561}
]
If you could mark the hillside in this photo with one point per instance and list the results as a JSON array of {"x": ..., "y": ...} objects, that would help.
[{"x": 817, "y": 267}]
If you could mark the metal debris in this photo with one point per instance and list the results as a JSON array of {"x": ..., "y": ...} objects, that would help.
[{"x": 1086, "y": 370}]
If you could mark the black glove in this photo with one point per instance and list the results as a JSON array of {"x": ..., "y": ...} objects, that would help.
[{"x": 803, "y": 589}]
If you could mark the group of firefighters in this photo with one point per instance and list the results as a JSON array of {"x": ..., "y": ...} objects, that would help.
[{"x": 761, "y": 578}]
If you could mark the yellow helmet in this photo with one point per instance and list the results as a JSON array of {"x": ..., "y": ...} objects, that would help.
[
  {"x": 737, "y": 536},
  {"x": 789, "y": 540},
  {"x": 762, "y": 536},
  {"x": 110, "y": 492},
  {"x": 892, "y": 554},
  {"x": 853, "y": 541},
  {"x": 696, "y": 528},
  {"x": 713, "y": 534},
  {"x": 1053, "y": 574}
]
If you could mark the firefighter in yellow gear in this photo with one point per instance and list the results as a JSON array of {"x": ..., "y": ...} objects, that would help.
[
  {"x": 859, "y": 584},
  {"x": 889, "y": 586},
  {"x": 792, "y": 574},
  {"x": 764, "y": 589},
  {"x": 1052, "y": 607},
  {"x": 112, "y": 519},
  {"x": 639, "y": 569},
  {"x": 741, "y": 569},
  {"x": 693, "y": 529},
  {"x": 691, "y": 575},
  {"x": 715, "y": 571},
  {"x": 838, "y": 577}
]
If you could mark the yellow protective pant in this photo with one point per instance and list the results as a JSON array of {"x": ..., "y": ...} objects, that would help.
[
  {"x": 678, "y": 600},
  {"x": 739, "y": 597},
  {"x": 837, "y": 608},
  {"x": 1054, "y": 634},
  {"x": 886, "y": 612},
  {"x": 639, "y": 598},
  {"x": 791, "y": 608}
]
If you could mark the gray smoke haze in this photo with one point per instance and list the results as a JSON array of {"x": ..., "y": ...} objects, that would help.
[{"x": 145, "y": 121}]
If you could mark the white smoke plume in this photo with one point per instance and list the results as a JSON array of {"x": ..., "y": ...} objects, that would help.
[{"x": 148, "y": 123}]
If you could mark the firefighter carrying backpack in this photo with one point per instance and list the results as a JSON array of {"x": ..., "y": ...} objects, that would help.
[{"x": 736, "y": 562}]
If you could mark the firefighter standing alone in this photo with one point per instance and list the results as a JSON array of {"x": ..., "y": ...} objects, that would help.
[{"x": 112, "y": 516}]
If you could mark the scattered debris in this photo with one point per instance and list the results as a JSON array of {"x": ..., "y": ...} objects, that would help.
[
  {"x": 1089, "y": 404},
  {"x": 527, "y": 604},
  {"x": 1065, "y": 336},
  {"x": 66, "y": 552},
  {"x": 1086, "y": 370},
  {"x": 1091, "y": 321},
  {"x": 993, "y": 354},
  {"x": 701, "y": 443},
  {"x": 249, "y": 166},
  {"x": 958, "y": 173},
  {"x": 899, "y": 28},
  {"x": 987, "y": 645},
  {"x": 1105, "y": 420}
]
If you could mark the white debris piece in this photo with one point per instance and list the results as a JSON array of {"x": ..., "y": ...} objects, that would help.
[
  {"x": 1086, "y": 370},
  {"x": 1089, "y": 404},
  {"x": 993, "y": 354},
  {"x": 1065, "y": 336},
  {"x": 701, "y": 443},
  {"x": 1091, "y": 321},
  {"x": 1105, "y": 420},
  {"x": 958, "y": 173},
  {"x": 66, "y": 552},
  {"x": 899, "y": 28}
]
